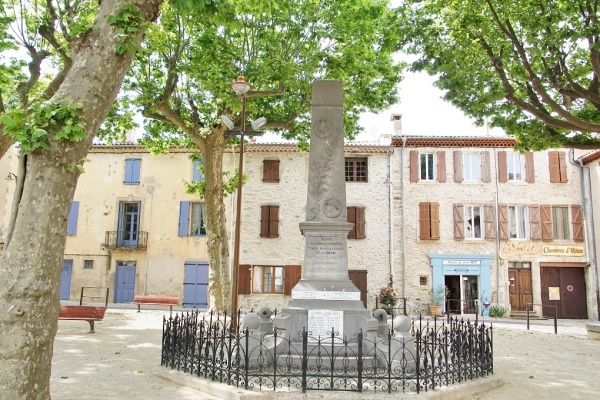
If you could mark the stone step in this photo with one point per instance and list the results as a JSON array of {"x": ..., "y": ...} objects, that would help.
[{"x": 533, "y": 315}]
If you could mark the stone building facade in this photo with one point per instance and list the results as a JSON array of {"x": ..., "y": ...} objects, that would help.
[{"x": 492, "y": 225}]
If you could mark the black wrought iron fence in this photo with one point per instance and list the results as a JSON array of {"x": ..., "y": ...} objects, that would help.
[{"x": 434, "y": 354}]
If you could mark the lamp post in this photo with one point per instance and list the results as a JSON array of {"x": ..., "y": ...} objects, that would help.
[{"x": 240, "y": 87}]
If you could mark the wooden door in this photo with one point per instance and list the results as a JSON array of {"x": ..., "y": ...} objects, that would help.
[
  {"x": 564, "y": 288},
  {"x": 519, "y": 288},
  {"x": 359, "y": 278}
]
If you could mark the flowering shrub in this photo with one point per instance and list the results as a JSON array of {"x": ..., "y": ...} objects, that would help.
[{"x": 387, "y": 299}]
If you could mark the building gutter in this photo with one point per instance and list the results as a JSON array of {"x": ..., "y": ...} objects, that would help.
[
  {"x": 391, "y": 215},
  {"x": 403, "y": 218}
]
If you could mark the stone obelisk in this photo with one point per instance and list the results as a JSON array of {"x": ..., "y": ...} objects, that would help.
[{"x": 325, "y": 298}]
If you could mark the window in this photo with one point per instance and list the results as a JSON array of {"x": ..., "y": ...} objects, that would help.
[
  {"x": 423, "y": 280},
  {"x": 197, "y": 171},
  {"x": 266, "y": 279},
  {"x": 356, "y": 215},
  {"x": 516, "y": 162},
  {"x": 521, "y": 265},
  {"x": 129, "y": 224},
  {"x": 429, "y": 221},
  {"x": 426, "y": 166},
  {"x": 191, "y": 219},
  {"x": 517, "y": 222},
  {"x": 471, "y": 166},
  {"x": 72, "y": 221},
  {"x": 560, "y": 223},
  {"x": 356, "y": 169},
  {"x": 132, "y": 171},
  {"x": 558, "y": 166},
  {"x": 88, "y": 264},
  {"x": 271, "y": 171},
  {"x": 269, "y": 221},
  {"x": 472, "y": 222}
]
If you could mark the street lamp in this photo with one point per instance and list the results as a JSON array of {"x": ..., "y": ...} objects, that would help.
[{"x": 240, "y": 87}]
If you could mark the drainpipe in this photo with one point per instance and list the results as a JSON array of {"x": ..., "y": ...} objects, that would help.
[
  {"x": 498, "y": 260},
  {"x": 589, "y": 260},
  {"x": 391, "y": 215},
  {"x": 150, "y": 190},
  {"x": 403, "y": 218}
]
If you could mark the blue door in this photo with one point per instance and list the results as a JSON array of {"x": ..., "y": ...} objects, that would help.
[
  {"x": 129, "y": 224},
  {"x": 125, "y": 282},
  {"x": 65, "y": 280},
  {"x": 195, "y": 285}
]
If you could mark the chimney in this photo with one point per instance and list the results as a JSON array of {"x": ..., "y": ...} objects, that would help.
[{"x": 397, "y": 118}]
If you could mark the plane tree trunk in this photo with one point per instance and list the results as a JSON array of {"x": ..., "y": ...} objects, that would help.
[{"x": 31, "y": 263}]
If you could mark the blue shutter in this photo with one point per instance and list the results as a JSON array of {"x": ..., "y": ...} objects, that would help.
[
  {"x": 72, "y": 221},
  {"x": 136, "y": 170},
  {"x": 184, "y": 212},
  {"x": 132, "y": 170},
  {"x": 197, "y": 174}
]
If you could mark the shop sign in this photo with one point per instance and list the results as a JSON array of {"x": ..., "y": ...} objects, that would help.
[
  {"x": 461, "y": 262},
  {"x": 569, "y": 251},
  {"x": 516, "y": 249}
]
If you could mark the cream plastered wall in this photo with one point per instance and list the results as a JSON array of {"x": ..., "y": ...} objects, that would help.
[
  {"x": 592, "y": 190},
  {"x": 160, "y": 266},
  {"x": 417, "y": 263},
  {"x": 371, "y": 254}
]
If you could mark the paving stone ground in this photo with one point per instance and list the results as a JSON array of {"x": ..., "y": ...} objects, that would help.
[{"x": 122, "y": 361}]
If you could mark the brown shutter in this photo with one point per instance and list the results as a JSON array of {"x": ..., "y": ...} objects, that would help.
[
  {"x": 459, "y": 221},
  {"x": 424, "y": 221},
  {"x": 535, "y": 220},
  {"x": 359, "y": 279},
  {"x": 414, "y": 166},
  {"x": 486, "y": 174},
  {"x": 359, "y": 223},
  {"x": 273, "y": 221},
  {"x": 435, "y": 221},
  {"x": 351, "y": 217},
  {"x": 271, "y": 171},
  {"x": 529, "y": 168},
  {"x": 244, "y": 277},
  {"x": 502, "y": 167},
  {"x": 264, "y": 221},
  {"x": 458, "y": 167},
  {"x": 546, "y": 223},
  {"x": 503, "y": 221},
  {"x": 576, "y": 221},
  {"x": 441, "y": 166},
  {"x": 291, "y": 276},
  {"x": 554, "y": 166},
  {"x": 562, "y": 165},
  {"x": 490, "y": 225}
]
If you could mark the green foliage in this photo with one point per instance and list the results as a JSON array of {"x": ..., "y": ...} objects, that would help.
[
  {"x": 440, "y": 293},
  {"x": 498, "y": 312},
  {"x": 33, "y": 128},
  {"x": 387, "y": 299},
  {"x": 129, "y": 20},
  {"x": 524, "y": 66}
]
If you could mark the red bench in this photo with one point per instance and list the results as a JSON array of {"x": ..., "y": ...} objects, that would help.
[
  {"x": 156, "y": 300},
  {"x": 90, "y": 314}
]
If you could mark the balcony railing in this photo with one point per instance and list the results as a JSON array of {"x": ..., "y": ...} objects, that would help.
[{"x": 126, "y": 239}]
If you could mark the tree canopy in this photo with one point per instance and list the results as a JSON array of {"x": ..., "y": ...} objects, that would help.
[
  {"x": 180, "y": 80},
  {"x": 530, "y": 66}
]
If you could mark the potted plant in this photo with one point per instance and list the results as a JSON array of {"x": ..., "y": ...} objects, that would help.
[
  {"x": 440, "y": 293},
  {"x": 387, "y": 299}
]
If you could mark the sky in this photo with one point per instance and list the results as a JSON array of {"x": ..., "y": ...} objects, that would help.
[{"x": 424, "y": 112}]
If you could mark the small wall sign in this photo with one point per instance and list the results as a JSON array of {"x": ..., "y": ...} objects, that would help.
[
  {"x": 553, "y": 293},
  {"x": 570, "y": 288}
]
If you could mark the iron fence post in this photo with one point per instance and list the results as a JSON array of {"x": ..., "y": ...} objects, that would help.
[
  {"x": 304, "y": 358},
  {"x": 360, "y": 361}
]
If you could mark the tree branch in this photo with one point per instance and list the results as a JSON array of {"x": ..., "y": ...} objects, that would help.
[
  {"x": 266, "y": 93},
  {"x": 23, "y": 88}
]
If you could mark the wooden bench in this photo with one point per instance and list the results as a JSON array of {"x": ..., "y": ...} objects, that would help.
[
  {"x": 156, "y": 301},
  {"x": 90, "y": 314}
]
